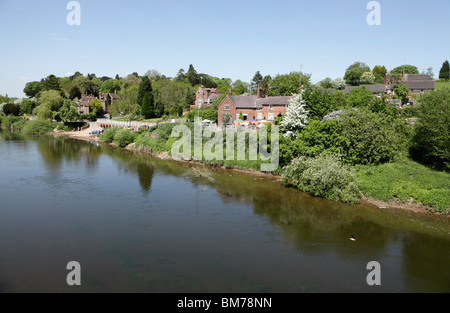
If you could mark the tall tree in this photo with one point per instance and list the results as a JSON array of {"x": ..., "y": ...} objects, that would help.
[
  {"x": 444, "y": 73},
  {"x": 145, "y": 88},
  {"x": 380, "y": 73},
  {"x": 256, "y": 81},
  {"x": 147, "y": 107},
  {"x": 192, "y": 76},
  {"x": 354, "y": 72},
  {"x": 288, "y": 84},
  {"x": 75, "y": 92},
  {"x": 68, "y": 112},
  {"x": 430, "y": 72},
  {"x": 32, "y": 89},
  {"x": 409, "y": 69},
  {"x": 51, "y": 83}
]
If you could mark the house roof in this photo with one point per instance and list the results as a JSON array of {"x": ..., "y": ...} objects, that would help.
[
  {"x": 274, "y": 100},
  {"x": 415, "y": 77},
  {"x": 421, "y": 84},
  {"x": 245, "y": 102},
  {"x": 372, "y": 88}
]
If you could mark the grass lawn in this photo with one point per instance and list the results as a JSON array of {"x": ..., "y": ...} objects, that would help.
[
  {"x": 404, "y": 180},
  {"x": 442, "y": 84}
]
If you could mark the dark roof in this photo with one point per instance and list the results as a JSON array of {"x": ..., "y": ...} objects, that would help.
[
  {"x": 245, "y": 102},
  {"x": 421, "y": 85},
  {"x": 372, "y": 88},
  {"x": 274, "y": 101},
  {"x": 415, "y": 77}
]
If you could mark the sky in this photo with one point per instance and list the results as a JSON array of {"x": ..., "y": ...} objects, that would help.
[{"x": 233, "y": 38}]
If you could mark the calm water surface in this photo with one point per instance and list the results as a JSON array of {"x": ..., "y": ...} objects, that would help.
[{"x": 137, "y": 224}]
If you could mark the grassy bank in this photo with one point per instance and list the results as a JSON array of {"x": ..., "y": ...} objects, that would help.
[{"x": 407, "y": 181}]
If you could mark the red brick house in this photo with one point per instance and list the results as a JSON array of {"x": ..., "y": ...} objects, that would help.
[
  {"x": 206, "y": 96},
  {"x": 252, "y": 107}
]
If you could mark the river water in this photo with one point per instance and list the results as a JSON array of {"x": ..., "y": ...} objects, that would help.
[{"x": 138, "y": 224}]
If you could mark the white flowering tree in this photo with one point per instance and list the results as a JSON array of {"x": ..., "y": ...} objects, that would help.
[
  {"x": 296, "y": 116},
  {"x": 339, "y": 84}
]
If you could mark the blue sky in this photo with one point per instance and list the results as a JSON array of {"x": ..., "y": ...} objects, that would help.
[{"x": 222, "y": 38}]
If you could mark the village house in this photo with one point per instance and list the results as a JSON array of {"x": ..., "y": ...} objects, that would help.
[
  {"x": 417, "y": 83},
  {"x": 252, "y": 107},
  {"x": 107, "y": 99},
  {"x": 84, "y": 103},
  {"x": 206, "y": 96}
]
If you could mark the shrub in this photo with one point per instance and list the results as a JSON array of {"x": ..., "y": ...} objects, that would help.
[
  {"x": 124, "y": 137},
  {"x": 108, "y": 135},
  {"x": 38, "y": 127},
  {"x": 374, "y": 138},
  {"x": 431, "y": 141},
  {"x": 323, "y": 176}
]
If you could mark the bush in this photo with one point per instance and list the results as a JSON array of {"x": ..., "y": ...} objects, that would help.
[
  {"x": 38, "y": 127},
  {"x": 431, "y": 141},
  {"x": 108, "y": 135},
  {"x": 124, "y": 137},
  {"x": 374, "y": 138},
  {"x": 323, "y": 176}
]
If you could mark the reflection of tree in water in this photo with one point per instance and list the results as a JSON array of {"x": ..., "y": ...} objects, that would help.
[
  {"x": 56, "y": 150},
  {"x": 427, "y": 262},
  {"x": 145, "y": 173}
]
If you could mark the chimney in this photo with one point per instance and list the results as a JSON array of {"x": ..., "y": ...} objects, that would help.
[
  {"x": 403, "y": 75},
  {"x": 259, "y": 93},
  {"x": 115, "y": 92}
]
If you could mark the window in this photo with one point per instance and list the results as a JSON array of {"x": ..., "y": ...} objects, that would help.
[
  {"x": 260, "y": 116},
  {"x": 270, "y": 107},
  {"x": 270, "y": 116},
  {"x": 226, "y": 107},
  {"x": 81, "y": 106}
]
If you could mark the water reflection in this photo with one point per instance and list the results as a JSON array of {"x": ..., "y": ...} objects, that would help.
[{"x": 221, "y": 231}]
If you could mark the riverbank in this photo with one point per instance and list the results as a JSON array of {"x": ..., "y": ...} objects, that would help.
[{"x": 409, "y": 204}]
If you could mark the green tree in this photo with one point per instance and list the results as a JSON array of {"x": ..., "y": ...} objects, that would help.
[
  {"x": 145, "y": 88},
  {"x": 240, "y": 87},
  {"x": 11, "y": 109},
  {"x": 256, "y": 81},
  {"x": 32, "y": 89},
  {"x": 401, "y": 92},
  {"x": 368, "y": 78},
  {"x": 359, "y": 98},
  {"x": 288, "y": 84},
  {"x": 319, "y": 103},
  {"x": 444, "y": 73},
  {"x": 68, "y": 112},
  {"x": 51, "y": 83},
  {"x": 431, "y": 142},
  {"x": 409, "y": 69},
  {"x": 74, "y": 92},
  {"x": 147, "y": 107},
  {"x": 327, "y": 83},
  {"x": 354, "y": 72},
  {"x": 28, "y": 107},
  {"x": 52, "y": 99},
  {"x": 380, "y": 73},
  {"x": 192, "y": 76},
  {"x": 111, "y": 85},
  {"x": 96, "y": 107}
]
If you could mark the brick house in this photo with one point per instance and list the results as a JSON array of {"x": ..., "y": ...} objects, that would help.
[
  {"x": 83, "y": 103},
  {"x": 206, "y": 96},
  {"x": 252, "y": 107},
  {"x": 107, "y": 99}
]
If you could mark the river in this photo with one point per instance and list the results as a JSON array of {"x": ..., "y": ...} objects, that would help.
[{"x": 138, "y": 224}]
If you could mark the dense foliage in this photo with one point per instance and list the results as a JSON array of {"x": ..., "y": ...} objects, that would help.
[{"x": 324, "y": 176}]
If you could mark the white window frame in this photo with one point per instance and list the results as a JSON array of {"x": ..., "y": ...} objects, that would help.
[
  {"x": 226, "y": 107},
  {"x": 269, "y": 115},
  {"x": 260, "y": 116}
]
